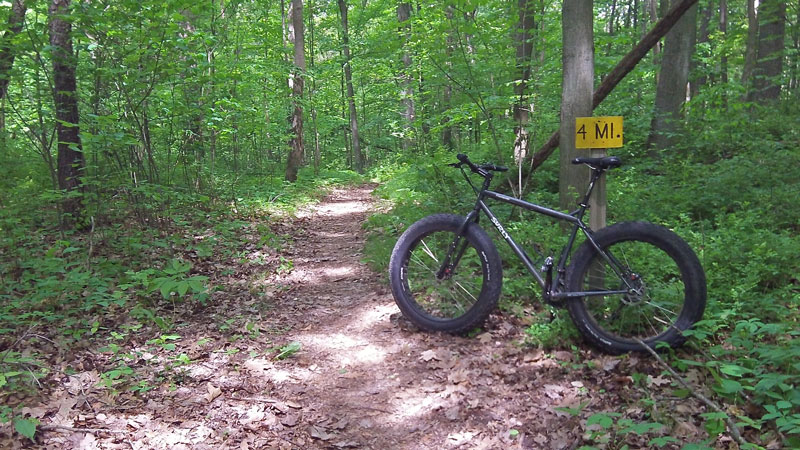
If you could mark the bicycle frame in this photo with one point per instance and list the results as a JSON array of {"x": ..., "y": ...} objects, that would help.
[{"x": 551, "y": 288}]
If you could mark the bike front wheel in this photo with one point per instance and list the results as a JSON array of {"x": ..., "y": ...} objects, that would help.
[
  {"x": 458, "y": 299},
  {"x": 664, "y": 284}
]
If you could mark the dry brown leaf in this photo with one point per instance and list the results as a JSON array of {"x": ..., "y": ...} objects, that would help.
[
  {"x": 459, "y": 376},
  {"x": 290, "y": 420},
  {"x": 213, "y": 392},
  {"x": 452, "y": 413},
  {"x": 320, "y": 433},
  {"x": 428, "y": 355}
]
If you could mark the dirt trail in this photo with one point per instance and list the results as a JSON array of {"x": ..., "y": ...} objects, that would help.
[{"x": 361, "y": 378}]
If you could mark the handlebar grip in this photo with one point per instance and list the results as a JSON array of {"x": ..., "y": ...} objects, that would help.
[{"x": 495, "y": 168}]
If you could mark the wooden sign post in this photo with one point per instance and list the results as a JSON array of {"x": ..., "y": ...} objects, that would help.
[{"x": 598, "y": 134}]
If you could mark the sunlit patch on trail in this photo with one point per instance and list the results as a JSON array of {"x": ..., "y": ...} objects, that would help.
[
  {"x": 372, "y": 316},
  {"x": 338, "y": 271},
  {"x": 346, "y": 350},
  {"x": 319, "y": 275},
  {"x": 334, "y": 209}
]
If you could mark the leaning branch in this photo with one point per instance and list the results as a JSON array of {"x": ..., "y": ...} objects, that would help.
[
  {"x": 619, "y": 72},
  {"x": 735, "y": 433}
]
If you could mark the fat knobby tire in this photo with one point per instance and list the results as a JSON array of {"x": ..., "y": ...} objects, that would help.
[
  {"x": 490, "y": 263},
  {"x": 677, "y": 249}
]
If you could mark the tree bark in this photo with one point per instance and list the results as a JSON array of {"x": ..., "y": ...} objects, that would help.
[
  {"x": 447, "y": 130},
  {"x": 524, "y": 49},
  {"x": 698, "y": 69},
  {"x": 7, "y": 54},
  {"x": 619, "y": 72},
  {"x": 576, "y": 94},
  {"x": 296, "y": 35},
  {"x": 769, "y": 62},
  {"x": 751, "y": 48},
  {"x": 71, "y": 162},
  {"x": 723, "y": 28},
  {"x": 358, "y": 158},
  {"x": 672, "y": 83},
  {"x": 406, "y": 78}
]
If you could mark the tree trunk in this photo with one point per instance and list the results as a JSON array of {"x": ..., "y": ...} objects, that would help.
[
  {"x": 358, "y": 158},
  {"x": 672, "y": 83},
  {"x": 14, "y": 27},
  {"x": 406, "y": 78},
  {"x": 524, "y": 49},
  {"x": 769, "y": 62},
  {"x": 447, "y": 95},
  {"x": 313, "y": 93},
  {"x": 751, "y": 49},
  {"x": 576, "y": 94},
  {"x": 723, "y": 28},
  {"x": 71, "y": 162},
  {"x": 698, "y": 69},
  {"x": 296, "y": 35}
]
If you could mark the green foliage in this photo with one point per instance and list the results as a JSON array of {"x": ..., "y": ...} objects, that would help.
[{"x": 288, "y": 350}]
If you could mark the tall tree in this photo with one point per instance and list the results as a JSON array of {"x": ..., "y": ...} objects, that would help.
[
  {"x": 71, "y": 162},
  {"x": 296, "y": 35},
  {"x": 524, "y": 49},
  {"x": 447, "y": 94},
  {"x": 769, "y": 61},
  {"x": 673, "y": 79},
  {"x": 7, "y": 54},
  {"x": 576, "y": 93},
  {"x": 751, "y": 47},
  {"x": 406, "y": 77},
  {"x": 351, "y": 101}
]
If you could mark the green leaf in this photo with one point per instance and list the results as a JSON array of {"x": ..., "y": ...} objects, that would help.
[
  {"x": 605, "y": 420},
  {"x": 734, "y": 370},
  {"x": 25, "y": 427},
  {"x": 166, "y": 288},
  {"x": 729, "y": 386},
  {"x": 182, "y": 287},
  {"x": 289, "y": 350}
]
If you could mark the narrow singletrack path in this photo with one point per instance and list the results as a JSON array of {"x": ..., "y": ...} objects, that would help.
[{"x": 308, "y": 350}]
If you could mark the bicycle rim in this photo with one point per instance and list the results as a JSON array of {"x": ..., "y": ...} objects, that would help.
[
  {"x": 657, "y": 291},
  {"x": 450, "y": 297}
]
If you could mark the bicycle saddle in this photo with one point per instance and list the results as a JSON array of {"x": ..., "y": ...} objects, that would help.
[{"x": 609, "y": 162}]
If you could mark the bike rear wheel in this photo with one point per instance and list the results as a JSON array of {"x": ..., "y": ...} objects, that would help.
[
  {"x": 466, "y": 295},
  {"x": 664, "y": 280}
]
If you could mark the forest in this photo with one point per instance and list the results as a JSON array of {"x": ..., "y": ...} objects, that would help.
[{"x": 171, "y": 169}]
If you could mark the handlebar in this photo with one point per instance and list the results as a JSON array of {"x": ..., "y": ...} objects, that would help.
[{"x": 479, "y": 169}]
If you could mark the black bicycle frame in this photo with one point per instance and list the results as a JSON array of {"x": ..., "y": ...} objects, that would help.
[{"x": 550, "y": 286}]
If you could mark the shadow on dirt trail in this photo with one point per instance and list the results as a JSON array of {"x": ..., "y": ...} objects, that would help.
[{"x": 355, "y": 374}]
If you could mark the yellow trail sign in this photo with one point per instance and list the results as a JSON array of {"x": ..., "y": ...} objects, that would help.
[{"x": 598, "y": 132}]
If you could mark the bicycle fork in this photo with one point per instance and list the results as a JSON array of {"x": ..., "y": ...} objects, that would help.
[{"x": 456, "y": 250}]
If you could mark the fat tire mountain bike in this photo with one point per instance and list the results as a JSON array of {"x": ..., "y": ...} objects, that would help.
[{"x": 626, "y": 284}]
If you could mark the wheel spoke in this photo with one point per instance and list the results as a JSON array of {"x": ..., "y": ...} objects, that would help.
[{"x": 454, "y": 295}]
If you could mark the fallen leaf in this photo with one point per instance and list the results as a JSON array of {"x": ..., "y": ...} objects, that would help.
[
  {"x": 340, "y": 424},
  {"x": 428, "y": 355},
  {"x": 290, "y": 420},
  {"x": 452, "y": 413},
  {"x": 213, "y": 392},
  {"x": 658, "y": 381},
  {"x": 459, "y": 376},
  {"x": 320, "y": 433}
]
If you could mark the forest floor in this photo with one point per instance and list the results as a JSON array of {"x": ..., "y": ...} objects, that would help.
[{"x": 303, "y": 347}]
